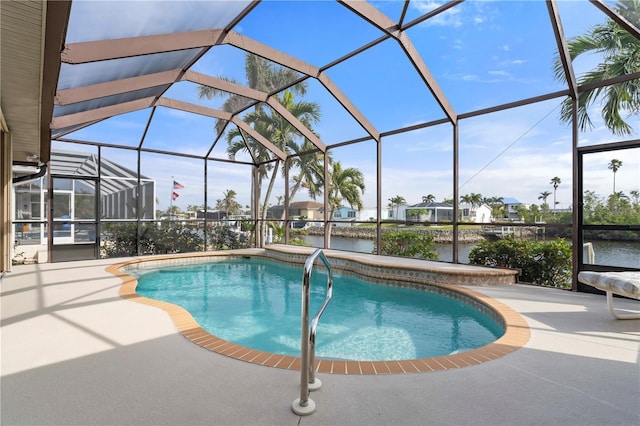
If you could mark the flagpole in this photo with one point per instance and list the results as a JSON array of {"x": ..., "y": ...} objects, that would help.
[
  {"x": 171, "y": 198},
  {"x": 174, "y": 186}
]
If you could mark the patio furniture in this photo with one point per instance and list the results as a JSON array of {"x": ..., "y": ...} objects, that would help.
[{"x": 625, "y": 284}]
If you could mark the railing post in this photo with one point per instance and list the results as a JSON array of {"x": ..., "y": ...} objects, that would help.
[{"x": 304, "y": 405}]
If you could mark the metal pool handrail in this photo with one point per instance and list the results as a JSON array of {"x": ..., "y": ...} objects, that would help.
[{"x": 305, "y": 405}]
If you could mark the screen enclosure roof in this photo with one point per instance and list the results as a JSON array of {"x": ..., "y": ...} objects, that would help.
[{"x": 174, "y": 76}]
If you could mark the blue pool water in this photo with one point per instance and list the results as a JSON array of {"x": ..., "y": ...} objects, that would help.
[{"x": 257, "y": 303}]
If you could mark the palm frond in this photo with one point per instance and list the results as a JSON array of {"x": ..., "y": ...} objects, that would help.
[{"x": 620, "y": 51}]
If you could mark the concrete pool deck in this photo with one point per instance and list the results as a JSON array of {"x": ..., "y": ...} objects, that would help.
[{"x": 75, "y": 352}]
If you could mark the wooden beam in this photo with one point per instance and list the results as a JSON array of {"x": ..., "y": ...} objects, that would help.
[
  {"x": 277, "y": 106},
  {"x": 258, "y": 137},
  {"x": 257, "y": 48},
  {"x": 563, "y": 48},
  {"x": 427, "y": 77},
  {"x": 100, "y": 113},
  {"x": 102, "y": 50},
  {"x": 620, "y": 20},
  {"x": 349, "y": 106},
  {"x": 100, "y": 90},
  {"x": 372, "y": 14},
  {"x": 195, "y": 109},
  {"x": 224, "y": 85}
]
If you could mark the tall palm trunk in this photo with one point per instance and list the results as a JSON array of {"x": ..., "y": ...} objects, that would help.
[
  {"x": 256, "y": 191},
  {"x": 329, "y": 228},
  {"x": 265, "y": 204},
  {"x": 293, "y": 194}
]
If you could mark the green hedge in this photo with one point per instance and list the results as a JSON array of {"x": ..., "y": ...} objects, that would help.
[
  {"x": 545, "y": 263},
  {"x": 155, "y": 238},
  {"x": 168, "y": 237},
  {"x": 408, "y": 244}
]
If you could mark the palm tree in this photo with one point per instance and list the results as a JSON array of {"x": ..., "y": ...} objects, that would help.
[
  {"x": 621, "y": 56},
  {"x": 396, "y": 202},
  {"x": 543, "y": 196},
  {"x": 617, "y": 201},
  {"x": 497, "y": 205},
  {"x": 267, "y": 77},
  {"x": 465, "y": 199},
  {"x": 614, "y": 165},
  {"x": 261, "y": 75},
  {"x": 173, "y": 210},
  {"x": 260, "y": 155},
  {"x": 475, "y": 200},
  {"x": 555, "y": 182},
  {"x": 344, "y": 185},
  {"x": 310, "y": 167},
  {"x": 229, "y": 203},
  {"x": 277, "y": 130},
  {"x": 428, "y": 198},
  {"x": 635, "y": 195}
]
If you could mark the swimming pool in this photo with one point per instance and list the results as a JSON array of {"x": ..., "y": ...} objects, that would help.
[{"x": 255, "y": 302}]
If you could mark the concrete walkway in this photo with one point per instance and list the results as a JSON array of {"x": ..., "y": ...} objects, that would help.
[{"x": 74, "y": 352}]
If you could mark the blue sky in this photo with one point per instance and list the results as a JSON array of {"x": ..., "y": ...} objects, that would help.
[{"x": 481, "y": 53}]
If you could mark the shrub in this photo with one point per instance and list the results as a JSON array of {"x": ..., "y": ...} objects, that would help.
[
  {"x": 222, "y": 237},
  {"x": 299, "y": 242},
  {"x": 120, "y": 240},
  {"x": 408, "y": 244},
  {"x": 166, "y": 237},
  {"x": 545, "y": 263},
  {"x": 553, "y": 263}
]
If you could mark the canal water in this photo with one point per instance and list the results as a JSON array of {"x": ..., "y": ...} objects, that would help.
[{"x": 611, "y": 253}]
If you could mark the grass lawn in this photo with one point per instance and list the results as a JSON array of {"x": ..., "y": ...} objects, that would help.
[{"x": 409, "y": 227}]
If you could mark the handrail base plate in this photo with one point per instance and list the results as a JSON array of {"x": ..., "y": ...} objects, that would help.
[{"x": 303, "y": 411}]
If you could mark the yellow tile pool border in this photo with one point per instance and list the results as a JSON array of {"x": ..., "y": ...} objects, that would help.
[{"x": 516, "y": 334}]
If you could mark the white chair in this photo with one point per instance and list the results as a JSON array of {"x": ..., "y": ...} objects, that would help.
[{"x": 622, "y": 283}]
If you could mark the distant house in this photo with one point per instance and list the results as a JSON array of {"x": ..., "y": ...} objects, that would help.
[
  {"x": 429, "y": 212},
  {"x": 511, "y": 206},
  {"x": 475, "y": 214},
  {"x": 212, "y": 214},
  {"x": 297, "y": 210},
  {"x": 371, "y": 214},
  {"x": 306, "y": 209},
  {"x": 343, "y": 214},
  {"x": 397, "y": 212}
]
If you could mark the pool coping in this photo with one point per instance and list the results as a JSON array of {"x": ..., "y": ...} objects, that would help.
[{"x": 517, "y": 332}]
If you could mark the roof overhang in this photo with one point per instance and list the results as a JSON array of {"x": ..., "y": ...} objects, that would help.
[{"x": 31, "y": 39}]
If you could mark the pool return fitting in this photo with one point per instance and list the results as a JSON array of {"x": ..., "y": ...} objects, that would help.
[{"x": 304, "y": 405}]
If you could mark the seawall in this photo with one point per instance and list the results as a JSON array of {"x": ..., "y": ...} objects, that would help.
[{"x": 439, "y": 235}]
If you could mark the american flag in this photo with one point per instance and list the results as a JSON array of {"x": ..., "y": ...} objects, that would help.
[{"x": 177, "y": 185}]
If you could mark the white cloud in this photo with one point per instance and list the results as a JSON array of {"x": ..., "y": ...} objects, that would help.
[{"x": 450, "y": 17}]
